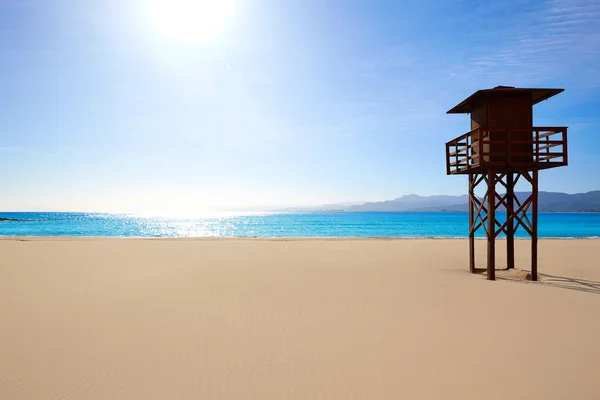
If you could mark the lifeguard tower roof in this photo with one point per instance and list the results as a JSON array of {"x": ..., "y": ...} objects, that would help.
[{"x": 537, "y": 95}]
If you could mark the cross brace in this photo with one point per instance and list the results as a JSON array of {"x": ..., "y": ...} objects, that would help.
[{"x": 483, "y": 211}]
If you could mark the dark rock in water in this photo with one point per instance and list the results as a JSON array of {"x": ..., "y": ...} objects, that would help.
[{"x": 10, "y": 220}]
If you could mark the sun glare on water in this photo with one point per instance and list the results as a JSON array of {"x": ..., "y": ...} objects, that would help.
[{"x": 198, "y": 21}]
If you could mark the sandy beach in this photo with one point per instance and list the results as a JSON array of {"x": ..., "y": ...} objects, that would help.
[{"x": 294, "y": 319}]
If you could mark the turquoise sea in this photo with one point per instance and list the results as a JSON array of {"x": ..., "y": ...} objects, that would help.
[{"x": 336, "y": 224}]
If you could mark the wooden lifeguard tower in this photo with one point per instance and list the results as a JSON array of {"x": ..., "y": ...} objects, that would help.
[{"x": 502, "y": 147}]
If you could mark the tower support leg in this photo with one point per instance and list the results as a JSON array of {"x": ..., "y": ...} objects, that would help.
[
  {"x": 472, "y": 178},
  {"x": 510, "y": 227},
  {"x": 491, "y": 225},
  {"x": 534, "y": 224}
]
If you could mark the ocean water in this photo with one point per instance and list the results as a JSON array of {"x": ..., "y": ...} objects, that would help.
[{"x": 360, "y": 224}]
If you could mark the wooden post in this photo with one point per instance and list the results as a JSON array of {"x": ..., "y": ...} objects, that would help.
[
  {"x": 564, "y": 148},
  {"x": 447, "y": 159},
  {"x": 472, "y": 178},
  {"x": 534, "y": 224},
  {"x": 510, "y": 227},
  {"x": 491, "y": 225}
]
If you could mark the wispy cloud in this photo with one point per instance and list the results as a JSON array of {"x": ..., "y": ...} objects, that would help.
[
  {"x": 543, "y": 45},
  {"x": 410, "y": 85}
]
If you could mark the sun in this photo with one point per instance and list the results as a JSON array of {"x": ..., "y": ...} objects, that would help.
[{"x": 198, "y": 21}]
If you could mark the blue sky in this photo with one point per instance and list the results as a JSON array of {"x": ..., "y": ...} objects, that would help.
[{"x": 291, "y": 103}]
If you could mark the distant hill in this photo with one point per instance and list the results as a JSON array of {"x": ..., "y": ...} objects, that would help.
[
  {"x": 548, "y": 202},
  {"x": 413, "y": 202}
]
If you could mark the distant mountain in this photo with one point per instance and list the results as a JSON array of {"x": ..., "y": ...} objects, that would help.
[
  {"x": 548, "y": 202},
  {"x": 337, "y": 207},
  {"x": 411, "y": 202}
]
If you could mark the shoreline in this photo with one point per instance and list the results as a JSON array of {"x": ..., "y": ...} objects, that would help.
[{"x": 277, "y": 238}]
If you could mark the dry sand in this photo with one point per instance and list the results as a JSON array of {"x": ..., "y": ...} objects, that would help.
[{"x": 294, "y": 319}]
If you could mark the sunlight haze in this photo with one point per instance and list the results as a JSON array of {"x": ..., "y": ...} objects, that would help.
[
  {"x": 191, "y": 20},
  {"x": 130, "y": 105}
]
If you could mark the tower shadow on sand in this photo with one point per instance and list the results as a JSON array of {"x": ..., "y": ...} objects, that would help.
[{"x": 560, "y": 282}]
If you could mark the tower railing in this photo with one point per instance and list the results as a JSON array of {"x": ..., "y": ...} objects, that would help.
[{"x": 531, "y": 148}]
